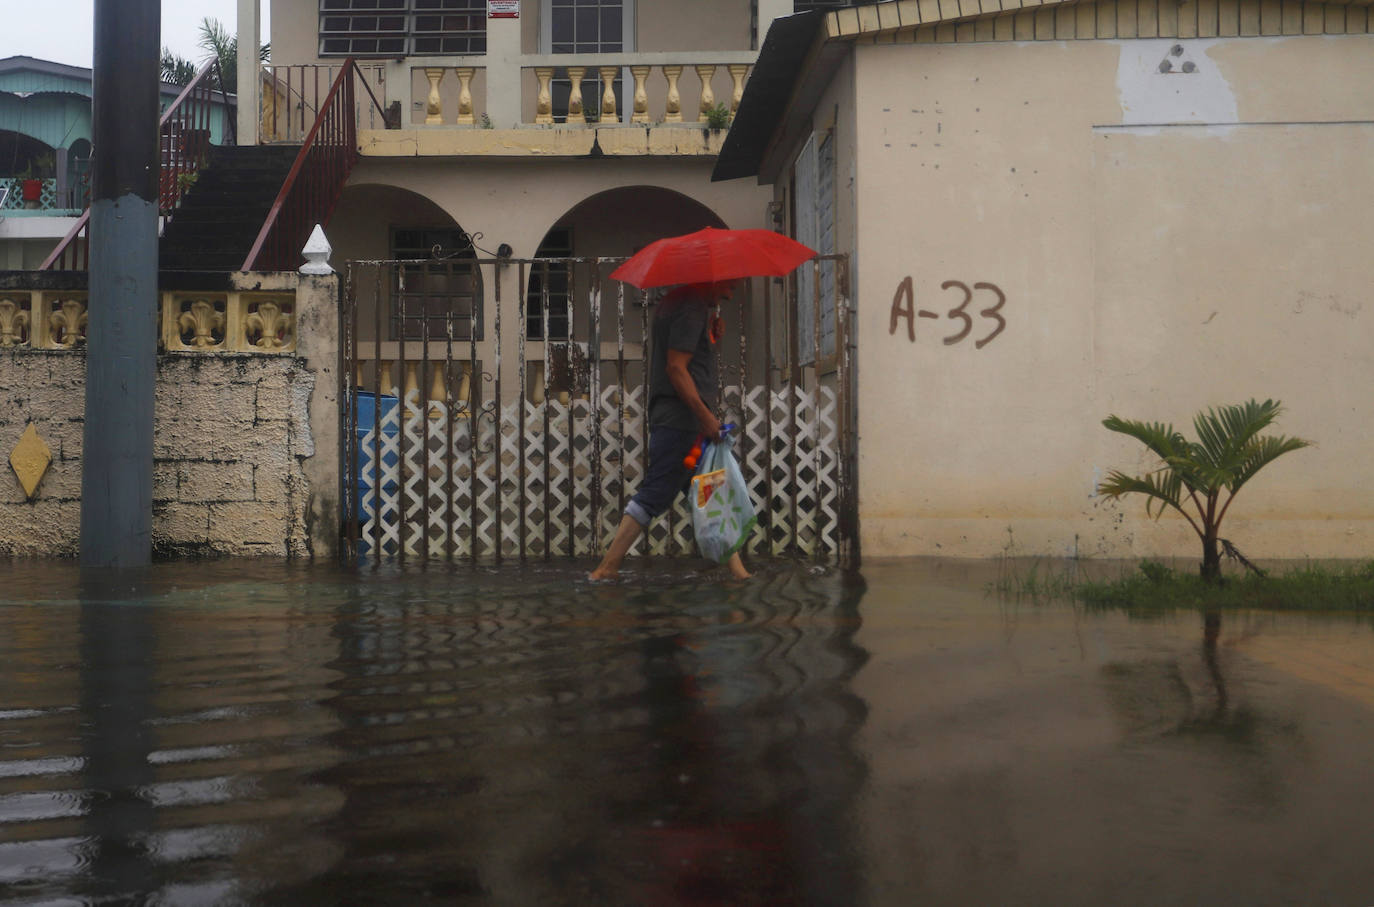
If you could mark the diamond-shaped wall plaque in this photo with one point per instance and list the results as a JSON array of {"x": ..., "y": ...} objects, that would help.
[{"x": 30, "y": 459}]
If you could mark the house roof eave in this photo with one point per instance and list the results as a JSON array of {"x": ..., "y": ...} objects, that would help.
[{"x": 786, "y": 50}]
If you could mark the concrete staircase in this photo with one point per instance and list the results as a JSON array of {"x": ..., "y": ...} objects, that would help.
[{"x": 221, "y": 215}]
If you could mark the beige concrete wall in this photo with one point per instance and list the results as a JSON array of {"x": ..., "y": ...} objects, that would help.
[
  {"x": 517, "y": 202},
  {"x": 1163, "y": 242},
  {"x": 699, "y": 25},
  {"x": 295, "y": 31},
  {"x": 615, "y": 205},
  {"x": 246, "y": 453}
]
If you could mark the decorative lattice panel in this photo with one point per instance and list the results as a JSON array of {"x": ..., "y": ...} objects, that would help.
[{"x": 551, "y": 479}]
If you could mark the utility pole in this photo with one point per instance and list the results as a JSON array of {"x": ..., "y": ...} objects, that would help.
[{"x": 121, "y": 346}]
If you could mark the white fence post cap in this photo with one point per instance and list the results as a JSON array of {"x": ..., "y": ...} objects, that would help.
[{"x": 317, "y": 251}]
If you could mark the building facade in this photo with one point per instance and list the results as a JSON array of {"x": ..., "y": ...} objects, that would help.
[{"x": 1061, "y": 211}]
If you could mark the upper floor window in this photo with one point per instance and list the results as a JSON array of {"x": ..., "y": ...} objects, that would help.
[
  {"x": 587, "y": 26},
  {"x": 398, "y": 28}
]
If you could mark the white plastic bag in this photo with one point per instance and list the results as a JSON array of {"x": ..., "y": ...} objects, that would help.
[{"x": 722, "y": 514}]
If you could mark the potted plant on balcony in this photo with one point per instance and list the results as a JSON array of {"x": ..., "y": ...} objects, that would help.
[
  {"x": 31, "y": 181},
  {"x": 30, "y": 187}
]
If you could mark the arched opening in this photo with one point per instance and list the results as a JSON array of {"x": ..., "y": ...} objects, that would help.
[
  {"x": 617, "y": 222},
  {"x": 438, "y": 287},
  {"x": 25, "y": 157}
]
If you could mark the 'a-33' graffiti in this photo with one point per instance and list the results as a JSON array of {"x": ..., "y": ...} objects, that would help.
[{"x": 904, "y": 306}]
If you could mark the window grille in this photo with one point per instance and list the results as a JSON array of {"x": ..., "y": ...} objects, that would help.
[
  {"x": 815, "y": 224},
  {"x": 557, "y": 244},
  {"x": 396, "y": 28},
  {"x": 435, "y": 288}
]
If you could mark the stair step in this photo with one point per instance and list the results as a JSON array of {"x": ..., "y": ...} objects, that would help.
[{"x": 222, "y": 214}]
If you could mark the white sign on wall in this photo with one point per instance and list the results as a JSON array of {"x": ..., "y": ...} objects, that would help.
[{"x": 503, "y": 9}]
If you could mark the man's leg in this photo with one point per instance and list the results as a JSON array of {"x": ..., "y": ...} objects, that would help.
[
  {"x": 625, "y": 536},
  {"x": 663, "y": 479},
  {"x": 736, "y": 566}
]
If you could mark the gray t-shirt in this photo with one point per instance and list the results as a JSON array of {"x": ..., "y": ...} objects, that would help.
[{"x": 682, "y": 322}]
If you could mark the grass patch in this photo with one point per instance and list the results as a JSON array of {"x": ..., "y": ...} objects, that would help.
[
  {"x": 1040, "y": 582},
  {"x": 1307, "y": 588},
  {"x": 1156, "y": 587}
]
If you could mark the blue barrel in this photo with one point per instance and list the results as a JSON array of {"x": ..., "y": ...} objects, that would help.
[{"x": 367, "y": 420}]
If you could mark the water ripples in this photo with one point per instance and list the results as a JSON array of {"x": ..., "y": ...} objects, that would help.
[{"x": 508, "y": 735}]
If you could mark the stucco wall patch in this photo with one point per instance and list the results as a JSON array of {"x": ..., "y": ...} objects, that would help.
[{"x": 1172, "y": 81}]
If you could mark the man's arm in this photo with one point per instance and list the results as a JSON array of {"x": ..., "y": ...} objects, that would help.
[{"x": 687, "y": 392}]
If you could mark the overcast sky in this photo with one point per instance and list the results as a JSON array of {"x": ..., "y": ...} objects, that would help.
[{"x": 60, "y": 30}]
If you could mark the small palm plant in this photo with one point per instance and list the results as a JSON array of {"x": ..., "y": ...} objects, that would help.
[{"x": 1228, "y": 453}]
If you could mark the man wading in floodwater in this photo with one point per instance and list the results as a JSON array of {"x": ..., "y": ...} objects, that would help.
[{"x": 682, "y": 395}]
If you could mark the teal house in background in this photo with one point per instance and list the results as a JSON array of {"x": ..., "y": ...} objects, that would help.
[{"x": 45, "y": 153}]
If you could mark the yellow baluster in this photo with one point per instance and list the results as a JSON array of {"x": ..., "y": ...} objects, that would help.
[
  {"x": 412, "y": 388},
  {"x": 608, "y": 114},
  {"x": 543, "y": 110},
  {"x": 438, "y": 390},
  {"x": 434, "y": 106},
  {"x": 465, "y": 117},
  {"x": 706, "y": 73},
  {"x": 575, "y": 75},
  {"x": 464, "y": 402},
  {"x": 737, "y": 73},
  {"x": 673, "y": 112},
  {"x": 640, "y": 111}
]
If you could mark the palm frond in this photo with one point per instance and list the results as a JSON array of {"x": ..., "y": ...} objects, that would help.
[
  {"x": 1261, "y": 453},
  {"x": 1197, "y": 470},
  {"x": 1162, "y": 487},
  {"x": 1224, "y": 432},
  {"x": 1160, "y": 438}
]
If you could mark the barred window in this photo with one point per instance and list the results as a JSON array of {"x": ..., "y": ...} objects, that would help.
[
  {"x": 397, "y": 28},
  {"x": 432, "y": 294}
]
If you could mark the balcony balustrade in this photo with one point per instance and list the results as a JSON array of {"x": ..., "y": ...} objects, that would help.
[
  {"x": 567, "y": 89},
  {"x": 291, "y": 96},
  {"x": 51, "y": 199}
]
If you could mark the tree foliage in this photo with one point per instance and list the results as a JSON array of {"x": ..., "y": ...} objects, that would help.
[
  {"x": 1201, "y": 478},
  {"x": 219, "y": 44},
  {"x": 176, "y": 70}
]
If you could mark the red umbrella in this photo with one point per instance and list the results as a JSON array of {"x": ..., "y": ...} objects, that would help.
[{"x": 711, "y": 255}]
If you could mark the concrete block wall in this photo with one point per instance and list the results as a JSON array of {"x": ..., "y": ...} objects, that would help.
[
  {"x": 229, "y": 441},
  {"x": 245, "y": 446}
]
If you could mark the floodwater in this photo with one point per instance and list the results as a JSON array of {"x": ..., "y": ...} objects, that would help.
[{"x": 262, "y": 733}]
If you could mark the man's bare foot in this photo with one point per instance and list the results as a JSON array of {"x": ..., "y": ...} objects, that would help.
[{"x": 602, "y": 574}]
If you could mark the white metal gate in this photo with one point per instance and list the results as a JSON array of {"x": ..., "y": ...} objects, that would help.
[{"x": 458, "y": 448}]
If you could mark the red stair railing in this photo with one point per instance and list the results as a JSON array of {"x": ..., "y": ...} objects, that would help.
[
  {"x": 316, "y": 180},
  {"x": 183, "y": 145}
]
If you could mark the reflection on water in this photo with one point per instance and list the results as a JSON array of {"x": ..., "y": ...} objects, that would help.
[
  {"x": 272, "y": 734},
  {"x": 194, "y": 734}
]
